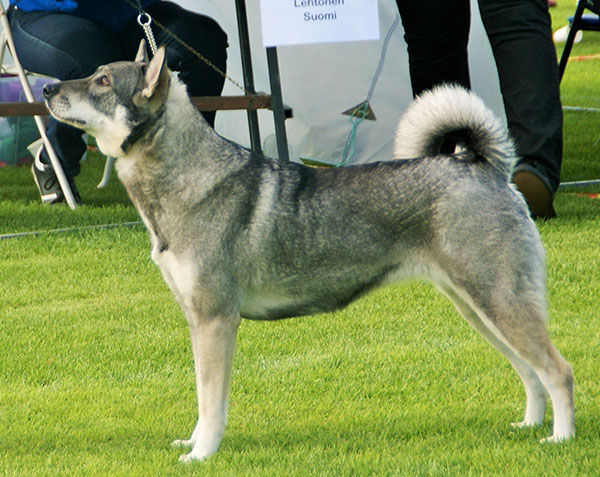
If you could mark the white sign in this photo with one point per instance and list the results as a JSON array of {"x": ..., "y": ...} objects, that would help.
[{"x": 297, "y": 22}]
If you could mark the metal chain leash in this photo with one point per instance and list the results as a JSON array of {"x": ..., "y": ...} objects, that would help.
[{"x": 145, "y": 21}]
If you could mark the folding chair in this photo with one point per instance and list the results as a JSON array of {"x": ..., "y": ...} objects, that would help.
[
  {"x": 580, "y": 22},
  {"x": 6, "y": 42}
]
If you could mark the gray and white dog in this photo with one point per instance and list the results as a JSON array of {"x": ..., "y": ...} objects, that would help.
[{"x": 237, "y": 235}]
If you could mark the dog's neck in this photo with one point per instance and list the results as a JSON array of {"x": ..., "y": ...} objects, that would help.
[{"x": 149, "y": 162}]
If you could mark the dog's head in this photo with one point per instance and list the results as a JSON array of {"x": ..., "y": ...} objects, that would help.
[{"x": 117, "y": 103}]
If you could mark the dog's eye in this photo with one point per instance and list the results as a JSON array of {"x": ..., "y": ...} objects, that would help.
[{"x": 103, "y": 80}]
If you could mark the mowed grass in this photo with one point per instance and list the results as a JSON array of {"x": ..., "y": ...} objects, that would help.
[{"x": 96, "y": 374}]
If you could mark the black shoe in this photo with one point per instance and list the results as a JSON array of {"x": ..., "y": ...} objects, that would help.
[{"x": 47, "y": 183}]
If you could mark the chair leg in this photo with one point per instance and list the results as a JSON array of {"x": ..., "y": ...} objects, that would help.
[
  {"x": 575, "y": 27},
  {"x": 56, "y": 165}
]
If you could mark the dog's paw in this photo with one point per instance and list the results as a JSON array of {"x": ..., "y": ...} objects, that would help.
[
  {"x": 204, "y": 442},
  {"x": 554, "y": 439},
  {"x": 201, "y": 448},
  {"x": 188, "y": 442},
  {"x": 189, "y": 458},
  {"x": 182, "y": 443},
  {"x": 197, "y": 455},
  {"x": 525, "y": 424}
]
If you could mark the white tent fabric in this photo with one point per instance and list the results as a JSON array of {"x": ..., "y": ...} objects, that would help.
[{"x": 320, "y": 81}]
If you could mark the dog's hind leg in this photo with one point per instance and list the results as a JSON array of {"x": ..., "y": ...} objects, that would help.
[
  {"x": 535, "y": 391},
  {"x": 517, "y": 328},
  {"x": 213, "y": 346}
]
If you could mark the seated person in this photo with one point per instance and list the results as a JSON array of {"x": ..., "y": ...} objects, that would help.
[{"x": 69, "y": 39}]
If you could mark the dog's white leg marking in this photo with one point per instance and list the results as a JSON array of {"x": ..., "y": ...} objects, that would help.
[
  {"x": 558, "y": 378},
  {"x": 525, "y": 342},
  {"x": 535, "y": 391},
  {"x": 213, "y": 345},
  {"x": 552, "y": 370},
  {"x": 537, "y": 395},
  {"x": 190, "y": 442}
]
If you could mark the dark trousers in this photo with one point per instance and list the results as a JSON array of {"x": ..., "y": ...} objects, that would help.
[
  {"x": 519, "y": 31},
  {"x": 68, "y": 47}
]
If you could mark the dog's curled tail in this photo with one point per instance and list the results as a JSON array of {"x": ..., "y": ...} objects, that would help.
[{"x": 449, "y": 116}]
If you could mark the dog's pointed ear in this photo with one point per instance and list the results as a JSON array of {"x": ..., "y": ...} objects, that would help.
[
  {"x": 142, "y": 54},
  {"x": 157, "y": 74}
]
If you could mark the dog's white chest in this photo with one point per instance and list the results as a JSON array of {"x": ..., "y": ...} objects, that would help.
[{"x": 178, "y": 273}]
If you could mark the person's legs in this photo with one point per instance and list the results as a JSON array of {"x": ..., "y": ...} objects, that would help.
[
  {"x": 64, "y": 47},
  {"x": 521, "y": 39},
  {"x": 60, "y": 45},
  {"x": 200, "y": 32},
  {"x": 437, "y": 34}
]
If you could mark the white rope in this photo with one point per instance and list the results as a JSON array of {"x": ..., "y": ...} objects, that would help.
[{"x": 37, "y": 233}]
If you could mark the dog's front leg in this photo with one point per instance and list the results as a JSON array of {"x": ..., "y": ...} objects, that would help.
[{"x": 213, "y": 345}]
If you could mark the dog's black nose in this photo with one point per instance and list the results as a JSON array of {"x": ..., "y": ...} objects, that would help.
[{"x": 50, "y": 90}]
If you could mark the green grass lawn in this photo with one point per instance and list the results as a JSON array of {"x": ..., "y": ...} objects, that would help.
[{"x": 96, "y": 373}]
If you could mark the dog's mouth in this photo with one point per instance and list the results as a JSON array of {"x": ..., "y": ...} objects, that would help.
[
  {"x": 59, "y": 111},
  {"x": 77, "y": 122}
]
